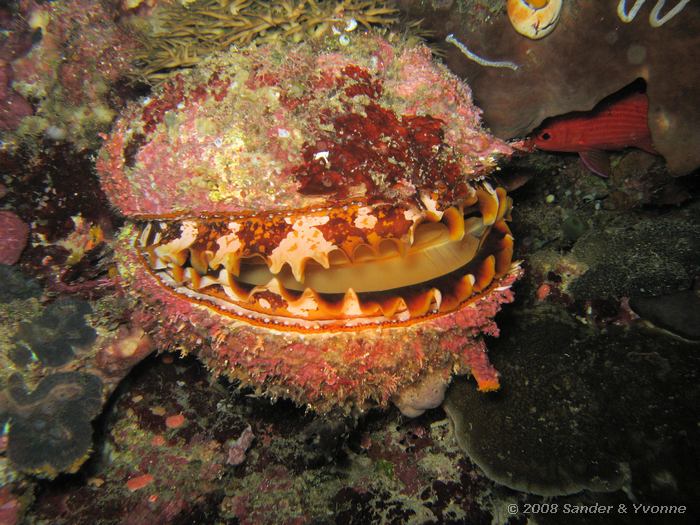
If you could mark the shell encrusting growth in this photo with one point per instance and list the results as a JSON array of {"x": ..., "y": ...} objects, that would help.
[
  {"x": 534, "y": 19},
  {"x": 313, "y": 220}
]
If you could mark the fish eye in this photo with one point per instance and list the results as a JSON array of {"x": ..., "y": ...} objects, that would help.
[{"x": 545, "y": 136}]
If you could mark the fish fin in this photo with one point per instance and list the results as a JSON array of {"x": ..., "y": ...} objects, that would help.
[
  {"x": 647, "y": 145},
  {"x": 597, "y": 161}
]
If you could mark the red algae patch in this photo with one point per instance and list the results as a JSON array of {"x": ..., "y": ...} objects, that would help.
[
  {"x": 174, "y": 421},
  {"x": 543, "y": 291},
  {"x": 139, "y": 482},
  {"x": 13, "y": 238}
]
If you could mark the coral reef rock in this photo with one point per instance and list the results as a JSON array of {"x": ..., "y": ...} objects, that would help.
[
  {"x": 13, "y": 107},
  {"x": 313, "y": 219},
  {"x": 50, "y": 429},
  {"x": 54, "y": 336},
  {"x": 15, "y": 286},
  {"x": 679, "y": 312},
  {"x": 582, "y": 410},
  {"x": 617, "y": 270},
  {"x": 82, "y": 52}
]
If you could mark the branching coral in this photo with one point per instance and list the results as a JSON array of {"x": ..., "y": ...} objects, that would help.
[{"x": 183, "y": 33}]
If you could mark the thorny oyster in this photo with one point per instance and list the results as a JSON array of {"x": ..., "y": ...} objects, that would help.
[{"x": 313, "y": 221}]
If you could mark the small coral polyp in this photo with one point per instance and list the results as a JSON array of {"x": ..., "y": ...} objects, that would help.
[{"x": 314, "y": 220}]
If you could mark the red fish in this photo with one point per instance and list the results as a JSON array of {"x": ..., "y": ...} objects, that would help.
[{"x": 610, "y": 126}]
